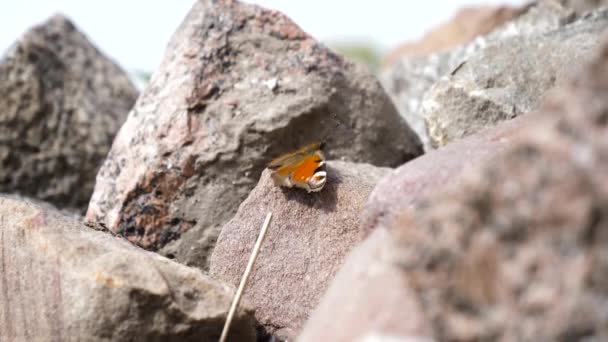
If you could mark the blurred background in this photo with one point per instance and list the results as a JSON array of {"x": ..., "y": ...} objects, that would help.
[{"x": 135, "y": 32}]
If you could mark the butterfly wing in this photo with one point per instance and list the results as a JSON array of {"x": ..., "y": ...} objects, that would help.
[
  {"x": 307, "y": 168},
  {"x": 295, "y": 157},
  {"x": 297, "y": 166}
]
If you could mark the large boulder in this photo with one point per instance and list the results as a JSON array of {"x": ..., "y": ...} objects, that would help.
[
  {"x": 60, "y": 281},
  {"x": 61, "y": 103},
  {"x": 516, "y": 250},
  {"x": 411, "y": 77},
  {"x": 434, "y": 172},
  {"x": 308, "y": 238},
  {"x": 582, "y": 6},
  {"x": 522, "y": 70},
  {"x": 238, "y": 85}
]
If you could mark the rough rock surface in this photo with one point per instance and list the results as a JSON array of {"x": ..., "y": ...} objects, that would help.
[
  {"x": 437, "y": 171},
  {"x": 369, "y": 297},
  {"x": 61, "y": 103},
  {"x": 238, "y": 86},
  {"x": 412, "y": 76},
  {"x": 60, "y": 281},
  {"x": 582, "y": 6},
  {"x": 517, "y": 250},
  {"x": 507, "y": 79},
  {"x": 307, "y": 240}
]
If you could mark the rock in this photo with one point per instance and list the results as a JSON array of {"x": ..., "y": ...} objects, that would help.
[
  {"x": 46, "y": 206},
  {"x": 434, "y": 172},
  {"x": 412, "y": 76},
  {"x": 467, "y": 24},
  {"x": 61, "y": 103},
  {"x": 305, "y": 245},
  {"x": 60, "y": 281},
  {"x": 582, "y": 6},
  {"x": 484, "y": 259},
  {"x": 515, "y": 251},
  {"x": 368, "y": 297},
  {"x": 523, "y": 69},
  {"x": 238, "y": 86}
]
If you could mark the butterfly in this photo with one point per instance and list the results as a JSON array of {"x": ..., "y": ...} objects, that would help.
[{"x": 304, "y": 168}]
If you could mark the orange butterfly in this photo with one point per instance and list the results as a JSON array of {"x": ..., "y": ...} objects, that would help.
[{"x": 304, "y": 168}]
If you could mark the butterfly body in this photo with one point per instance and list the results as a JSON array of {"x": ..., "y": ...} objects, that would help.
[{"x": 304, "y": 168}]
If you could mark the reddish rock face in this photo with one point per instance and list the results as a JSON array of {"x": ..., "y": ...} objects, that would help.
[
  {"x": 238, "y": 86},
  {"x": 515, "y": 251},
  {"x": 306, "y": 243},
  {"x": 61, "y": 104},
  {"x": 368, "y": 299},
  {"x": 437, "y": 171}
]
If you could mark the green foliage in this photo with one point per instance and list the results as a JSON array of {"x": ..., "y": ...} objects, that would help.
[
  {"x": 140, "y": 78},
  {"x": 143, "y": 76},
  {"x": 361, "y": 52}
]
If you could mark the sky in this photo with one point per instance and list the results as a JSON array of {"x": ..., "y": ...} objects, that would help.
[{"x": 135, "y": 32}]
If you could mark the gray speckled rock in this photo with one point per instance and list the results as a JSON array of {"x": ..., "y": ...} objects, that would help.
[
  {"x": 308, "y": 238},
  {"x": 61, "y": 103},
  {"x": 507, "y": 78},
  {"x": 60, "y": 281},
  {"x": 582, "y": 6},
  {"x": 408, "y": 80},
  {"x": 238, "y": 86}
]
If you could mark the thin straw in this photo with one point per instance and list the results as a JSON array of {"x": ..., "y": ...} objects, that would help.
[{"x": 239, "y": 291}]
